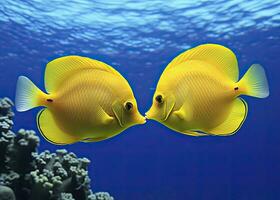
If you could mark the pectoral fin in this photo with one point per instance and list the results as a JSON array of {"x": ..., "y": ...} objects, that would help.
[
  {"x": 184, "y": 113},
  {"x": 106, "y": 119}
]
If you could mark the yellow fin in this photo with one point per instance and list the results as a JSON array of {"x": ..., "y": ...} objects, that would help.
[
  {"x": 254, "y": 82},
  {"x": 217, "y": 55},
  {"x": 185, "y": 112},
  {"x": 49, "y": 130},
  {"x": 94, "y": 139},
  {"x": 181, "y": 114},
  {"x": 61, "y": 68},
  {"x": 193, "y": 133},
  {"x": 234, "y": 121},
  {"x": 105, "y": 118},
  {"x": 28, "y": 95}
]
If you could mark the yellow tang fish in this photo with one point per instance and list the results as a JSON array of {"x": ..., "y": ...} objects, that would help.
[
  {"x": 198, "y": 93},
  {"x": 86, "y": 100}
]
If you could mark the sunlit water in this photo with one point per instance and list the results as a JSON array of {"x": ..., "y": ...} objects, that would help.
[{"x": 139, "y": 38}]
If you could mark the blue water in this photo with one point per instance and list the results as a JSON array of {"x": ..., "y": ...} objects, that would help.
[{"x": 139, "y": 38}]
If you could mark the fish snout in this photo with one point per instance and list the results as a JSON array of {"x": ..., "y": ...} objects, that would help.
[
  {"x": 154, "y": 115},
  {"x": 142, "y": 120},
  {"x": 139, "y": 119},
  {"x": 148, "y": 115}
]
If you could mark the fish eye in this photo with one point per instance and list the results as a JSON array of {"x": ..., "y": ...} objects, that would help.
[
  {"x": 128, "y": 106},
  {"x": 159, "y": 98}
]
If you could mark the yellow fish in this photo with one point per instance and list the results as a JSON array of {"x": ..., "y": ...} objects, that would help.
[
  {"x": 199, "y": 93},
  {"x": 86, "y": 100}
]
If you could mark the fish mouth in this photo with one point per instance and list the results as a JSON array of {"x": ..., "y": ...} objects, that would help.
[
  {"x": 142, "y": 120},
  {"x": 147, "y": 116}
]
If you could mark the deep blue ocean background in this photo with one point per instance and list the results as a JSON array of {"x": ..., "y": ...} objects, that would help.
[{"x": 139, "y": 38}]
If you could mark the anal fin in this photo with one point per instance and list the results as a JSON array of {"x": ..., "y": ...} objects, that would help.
[
  {"x": 193, "y": 133},
  {"x": 50, "y": 131},
  {"x": 86, "y": 140},
  {"x": 234, "y": 121}
]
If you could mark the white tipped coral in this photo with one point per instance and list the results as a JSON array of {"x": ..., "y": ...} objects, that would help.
[{"x": 45, "y": 176}]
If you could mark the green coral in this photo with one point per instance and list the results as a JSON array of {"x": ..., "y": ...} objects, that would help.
[
  {"x": 29, "y": 175},
  {"x": 101, "y": 196}
]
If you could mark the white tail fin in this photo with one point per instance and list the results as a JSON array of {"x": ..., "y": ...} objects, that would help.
[
  {"x": 254, "y": 82},
  {"x": 27, "y": 94}
]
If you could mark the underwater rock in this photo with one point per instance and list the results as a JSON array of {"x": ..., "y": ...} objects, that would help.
[
  {"x": 27, "y": 174},
  {"x": 6, "y": 193}
]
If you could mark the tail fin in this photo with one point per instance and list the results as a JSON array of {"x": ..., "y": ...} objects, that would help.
[
  {"x": 27, "y": 94},
  {"x": 254, "y": 82}
]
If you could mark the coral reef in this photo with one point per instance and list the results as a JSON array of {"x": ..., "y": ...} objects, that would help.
[{"x": 26, "y": 174}]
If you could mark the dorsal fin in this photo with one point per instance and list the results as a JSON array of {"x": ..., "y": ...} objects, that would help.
[
  {"x": 217, "y": 55},
  {"x": 61, "y": 68}
]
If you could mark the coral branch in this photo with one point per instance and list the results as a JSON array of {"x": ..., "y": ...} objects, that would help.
[{"x": 27, "y": 174}]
